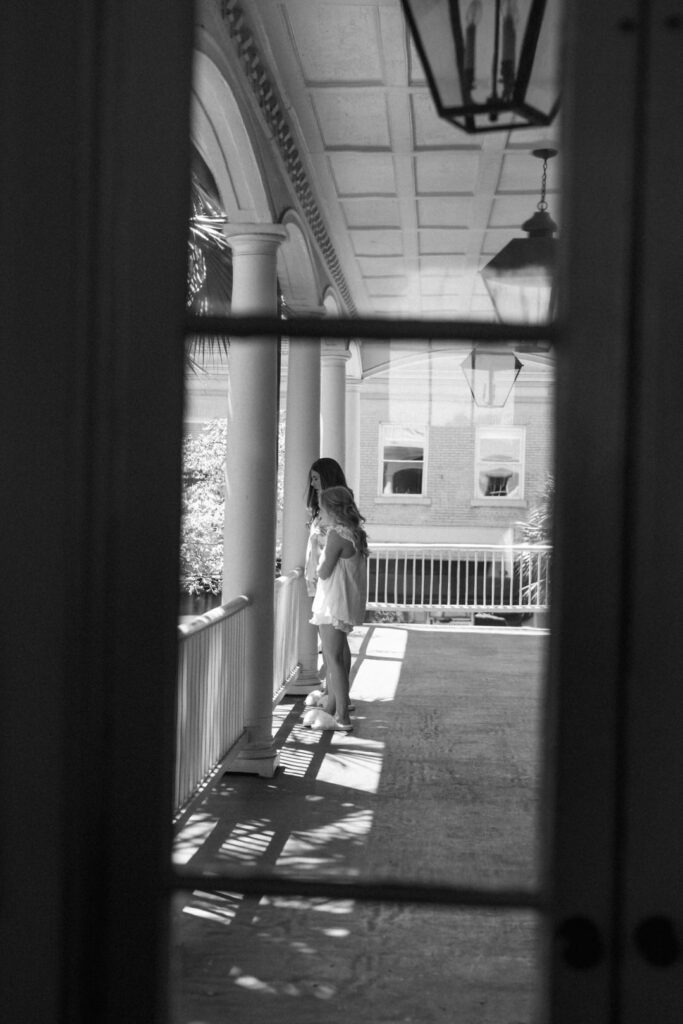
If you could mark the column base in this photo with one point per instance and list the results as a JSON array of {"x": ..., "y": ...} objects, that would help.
[
  {"x": 253, "y": 759},
  {"x": 302, "y": 684}
]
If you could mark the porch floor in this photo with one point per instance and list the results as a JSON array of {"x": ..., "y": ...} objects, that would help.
[{"x": 439, "y": 783}]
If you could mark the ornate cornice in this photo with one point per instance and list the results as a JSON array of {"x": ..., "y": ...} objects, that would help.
[{"x": 270, "y": 103}]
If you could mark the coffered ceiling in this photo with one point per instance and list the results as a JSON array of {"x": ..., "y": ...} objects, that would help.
[{"x": 413, "y": 206}]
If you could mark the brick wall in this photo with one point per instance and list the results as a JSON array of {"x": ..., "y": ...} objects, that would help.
[{"x": 446, "y": 512}]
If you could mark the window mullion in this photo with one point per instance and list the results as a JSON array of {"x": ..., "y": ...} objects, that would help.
[{"x": 375, "y": 327}]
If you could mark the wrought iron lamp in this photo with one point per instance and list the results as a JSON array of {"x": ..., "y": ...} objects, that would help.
[
  {"x": 491, "y": 375},
  {"x": 521, "y": 278},
  {"x": 458, "y": 39}
]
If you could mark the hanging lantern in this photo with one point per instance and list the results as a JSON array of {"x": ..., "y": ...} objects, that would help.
[
  {"x": 491, "y": 65},
  {"x": 491, "y": 376},
  {"x": 520, "y": 279}
]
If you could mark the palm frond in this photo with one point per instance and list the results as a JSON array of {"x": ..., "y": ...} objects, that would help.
[{"x": 209, "y": 274}]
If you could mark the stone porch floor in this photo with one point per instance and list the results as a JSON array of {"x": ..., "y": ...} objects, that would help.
[{"x": 437, "y": 783}]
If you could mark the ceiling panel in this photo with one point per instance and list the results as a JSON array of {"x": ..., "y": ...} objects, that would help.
[
  {"x": 335, "y": 42},
  {"x": 445, "y": 211},
  {"x": 393, "y": 306},
  {"x": 363, "y": 173},
  {"x": 429, "y": 130},
  {"x": 386, "y": 285},
  {"x": 343, "y": 123},
  {"x": 382, "y": 266},
  {"x": 446, "y": 171},
  {"x": 441, "y": 304},
  {"x": 446, "y": 284},
  {"x": 368, "y": 242},
  {"x": 413, "y": 206},
  {"x": 371, "y": 213},
  {"x": 442, "y": 240},
  {"x": 450, "y": 263}
]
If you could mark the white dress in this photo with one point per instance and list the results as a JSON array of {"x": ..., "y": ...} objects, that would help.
[
  {"x": 314, "y": 550},
  {"x": 340, "y": 599}
]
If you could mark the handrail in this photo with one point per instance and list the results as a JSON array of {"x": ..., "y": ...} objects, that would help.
[
  {"x": 211, "y": 618},
  {"x": 438, "y": 579},
  {"x": 211, "y": 680},
  {"x": 407, "y": 545},
  {"x": 210, "y": 695}
]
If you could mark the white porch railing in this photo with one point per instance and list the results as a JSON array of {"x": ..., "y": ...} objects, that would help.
[
  {"x": 210, "y": 709},
  {"x": 440, "y": 578},
  {"x": 211, "y": 680},
  {"x": 288, "y": 593}
]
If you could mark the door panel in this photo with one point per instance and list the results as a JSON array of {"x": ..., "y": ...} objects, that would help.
[
  {"x": 652, "y": 937},
  {"x": 588, "y": 615}
]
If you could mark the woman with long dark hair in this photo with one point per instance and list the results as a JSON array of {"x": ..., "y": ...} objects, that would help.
[
  {"x": 339, "y": 602},
  {"x": 323, "y": 473}
]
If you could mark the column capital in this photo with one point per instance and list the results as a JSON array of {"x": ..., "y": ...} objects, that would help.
[
  {"x": 254, "y": 239},
  {"x": 334, "y": 352}
]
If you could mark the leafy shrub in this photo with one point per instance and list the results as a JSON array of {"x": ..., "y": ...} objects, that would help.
[
  {"x": 203, "y": 508},
  {"x": 532, "y": 569},
  {"x": 201, "y": 543}
]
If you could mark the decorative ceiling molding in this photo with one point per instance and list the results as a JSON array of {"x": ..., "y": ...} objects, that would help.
[{"x": 272, "y": 107}]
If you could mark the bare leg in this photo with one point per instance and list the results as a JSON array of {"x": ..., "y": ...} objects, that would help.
[
  {"x": 322, "y": 671},
  {"x": 334, "y": 641},
  {"x": 347, "y": 665},
  {"x": 347, "y": 656}
]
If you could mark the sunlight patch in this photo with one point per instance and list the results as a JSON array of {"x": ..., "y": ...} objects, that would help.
[
  {"x": 295, "y": 761},
  {"x": 248, "y": 842},
  {"x": 192, "y": 837},
  {"x": 317, "y": 903},
  {"x": 386, "y": 642},
  {"x": 327, "y": 844},
  {"x": 353, "y": 767},
  {"x": 376, "y": 681},
  {"x": 255, "y": 984},
  {"x": 220, "y": 907}
]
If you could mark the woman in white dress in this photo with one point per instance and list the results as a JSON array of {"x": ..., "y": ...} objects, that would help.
[
  {"x": 339, "y": 602},
  {"x": 322, "y": 474}
]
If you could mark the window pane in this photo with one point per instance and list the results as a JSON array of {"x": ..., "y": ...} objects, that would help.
[
  {"x": 440, "y": 779},
  {"x": 400, "y": 449},
  {"x": 396, "y": 453},
  {"x": 277, "y": 958},
  {"x": 439, "y": 782},
  {"x": 500, "y": 462}
]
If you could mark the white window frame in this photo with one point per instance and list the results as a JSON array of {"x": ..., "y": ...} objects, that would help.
[
  {"x": 385, "y": 429},
  {"x": 506, "y": 434}
]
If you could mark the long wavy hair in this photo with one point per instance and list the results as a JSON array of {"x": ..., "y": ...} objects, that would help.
[
  {"x": 339, "y": 503},
  {"x": 331, "y": 475}
]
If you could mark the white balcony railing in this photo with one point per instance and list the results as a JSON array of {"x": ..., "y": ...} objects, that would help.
[
  {"x": 288, "y": 592},
  {"x": 440, "y": 578},
  {"x": 435, "y": 579},
  {"x": 211, "y": 680}
]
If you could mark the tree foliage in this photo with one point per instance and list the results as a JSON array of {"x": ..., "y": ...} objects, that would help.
[
  {"x": 203, "y": 506},
  {"x": 538, "y": 527},
  {"x": 533, "y": 569},
  {"x": 201, "y": 544}
]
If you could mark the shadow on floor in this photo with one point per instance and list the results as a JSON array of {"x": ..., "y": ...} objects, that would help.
[{"x": 437, "y": 783}]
